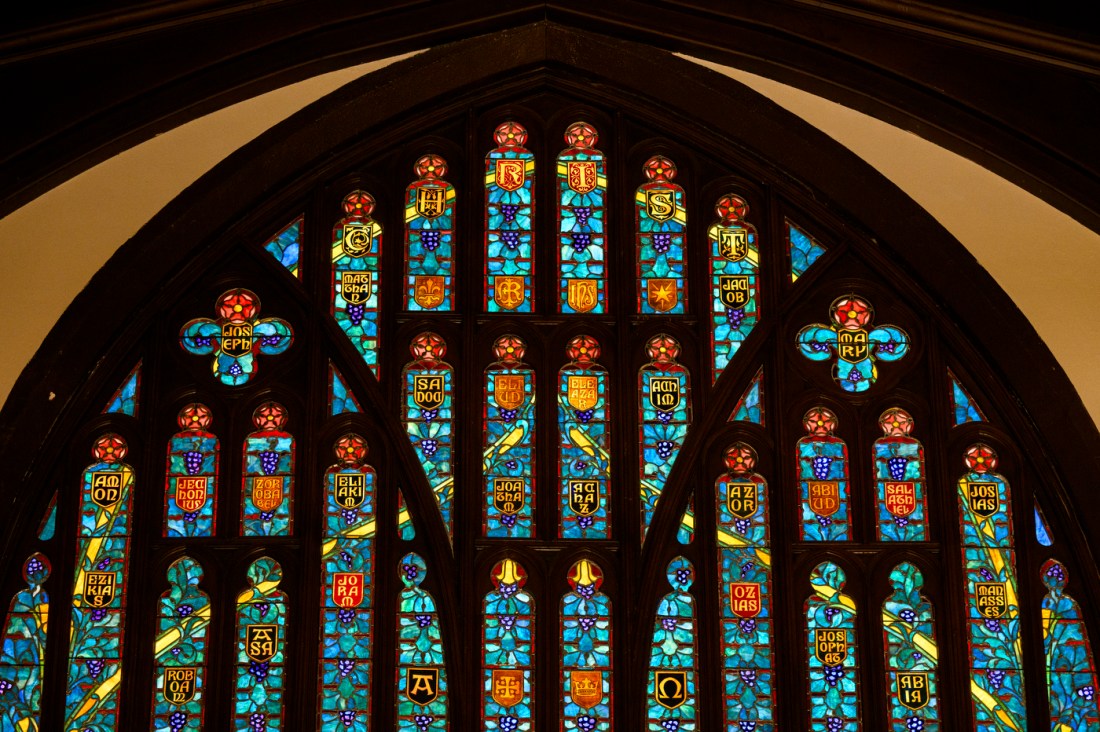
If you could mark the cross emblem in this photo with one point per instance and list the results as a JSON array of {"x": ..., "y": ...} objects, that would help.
[
  {"x": 236, "y": 336},
  {"x": 854, "y": 343}
]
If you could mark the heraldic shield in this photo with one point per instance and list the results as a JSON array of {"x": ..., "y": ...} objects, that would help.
[
  {"x": 355, "y": 287},
  {"x": 106, "y": 488},
  {"x": 510, "y": 174},
  {"x": 509, "y": 291},
  {"x": 583, "y": 392},
  {"x": 741, "y": 499},
  {"x": 508, "y": 390},
  {"x": 831, "y": 645},
  {"x": 348, "y": 589},
  {"x": 584, "y": 496},
  {"x": 733, "y": 290},
  {"x": 583, "y": 175},
  {"x": 430, "y": 201},
  {"x": 261, "y": 641},
  {"x": 179, "y": 684},
  {"x": 190, "y": 492},
  {"x": 901, "y": 498},
  {"x": 733, "y": 244},
  {"x": 983, "y": 498},
  {"x": 660, "y": 204},
  {"x": 852, "y": 345},
  {"x": 99, "y": 589},
  {"x": 357, "y": 239},
  {"x": 670, "y": 688},
  {"x": 507, "y": 687},
  {"x": 582, "y": 295},
  {"x": 350, "y": 490},
  {"x": 267, "y": 492},
  {"x": 664, "y": 393},
  {"x": 428, "y": 290},
  {"x": 824, "y": 497},
  {"x": 421, "y": 684},
  {"x": 508, "y": 495},
  {"x": 428, "y": 391},
  {"x": 745, "y": 599},
  {"x": 992, "y": 599},
  {"x": 913, "y": 689},
  {"x": 586, "y": 688},
  {"x": 662, "y": 294}
]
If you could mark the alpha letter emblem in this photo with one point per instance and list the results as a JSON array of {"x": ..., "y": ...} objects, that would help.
[
  {"x": 913, "y": 689},
  {"x": 428, "y": 391},
  {"x": 670, "y": 688},
  {"x": 510, "y": 174},
  {"x": 508, "y": 390},
  {"x": 733, "y": 290},
  {"x": 509, "y": 291},
  {"x": 508, "y": 494},
  {"x": 586, "y": 688},
  {"x": 852, "y": 345},
  {"x": 824, "y": 497},
  {"x": 355, "y": 287},
  {"x": 179, "y": 684},
  {"x": 581, "y": 295},
  {"x": 99, "y": 588},
  {"x": 347, "y": 589},
  {"x": 660, "y": 204},
  {"x": 745, "y": 599},
  {"x": 261, "y": 641},
  {"x": 901, "y": 498},
  {"x": 428, "y": 290},
  {"x": 741, "y": 499},
  {"x": 831, "y": 646},
  {"x": 190, "y": 492},
  {"x": 357, "y": 239},
  {"x": 983, "y": 498},
  {"x": 582, "y": 175},
  {"x": 267, "y": 492},
  {"x": 664, "y": 393},
  {"x": 106, "y": 488},
  {"x": 991, "y": 599},
  {"x": 422, "y": 685},
  {"x": 350, "y": 490},
  {"x": 430, "y": 201},
  {"x": 584, "y": 496},
  {"x": 662, "y": 294},
  {"x": 733, "y": 244},
  {"x": 507, "y": 688}
]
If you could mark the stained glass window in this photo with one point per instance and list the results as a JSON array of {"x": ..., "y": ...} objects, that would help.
[
  {"x": 284, "y": 246},
  {"x": 582, "y": 225},
  {"x": 750, "y": 407},
  {"x": 183, "y": 619},
  {"x": 899, "y": 474},
  {"x": 509, "y": 433},
  {"x": 48, "y": 525},
  {"x": 508, "y": 650},
  {"x": 909, "y": 640},
  {"x": 421, "y": 674},
  {"x": 1043, "y": 534},
  {"x": 584, "y": 443},
  {"x": 341, "y": 400},
  {"x": 833, "y": 653},
  {"x": 191, "y": 487},
  {"x": 1071, "y": 670},
  {"x": 23, "y": 650},
  {"x": 965, "y": 408},
  {"x": 802, "y": 249},
  {"x": 686, "y": 533},
  {"x": 427, "y": 409},
  {"x": 510, "y": 222},
  {"x": 822, "y": 464},
  {"x": 993, "y": 613},
  {"x": 347, "y": 592},
  {"x": 125, "y": 398},
  {"x": 745, "y": 596},
  {"x": 855, "y": 345},
  {"x": 429, "y": 237},
  {"x": 267, "y": 494},
  {"x": 660, "y": 220},
  {"x": 672, "y": 660},
  {"x": 587, "y": 685},
  {"x": 405, "y": 528},
  {"x": 261, "y": 650},
  {"x": 734, "y": 285},
  {"x": 356, "y": 288},
  {"x": 664, "y": 415}
]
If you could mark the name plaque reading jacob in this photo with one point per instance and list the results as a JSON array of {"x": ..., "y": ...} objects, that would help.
[{"x": 733, "y": 290}]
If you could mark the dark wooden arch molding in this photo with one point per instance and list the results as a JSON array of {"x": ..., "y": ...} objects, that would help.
[
  {"x": 67, "y": 372},
  {"x": 1012, "y": 86}
]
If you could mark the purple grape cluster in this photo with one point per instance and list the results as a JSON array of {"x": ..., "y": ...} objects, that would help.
[
  {"x": 346, "y": 557},
  {"x": 995, "y": 677},
  {"x": 34, "y": 566},
  {"x": 345, "y": 616},
  {"x": 907, "y": 615},
  {"x": 177, "y": 721},
  {"x": 192, "y": 461},
  {"x": 510, "y": 239},
  {"x": 506, "y": 621},
  {"x": 349, "y": 515},
  {"x": 356, "y": 313},
  {"x": 583, "y": 213},
  {"x": 584, "y": 416},
  {"x": 270, "y": 340},
  {"x": 833, "y": 724},
  {"x": 235, "y": 369},
  {"x": 830, "y": 613},
  {"x": 586, "y": 623},
  {"x": 508, "y": 589},
  {"x": 746, "y": 726},
  {"x": 683, "y": 575},
  {"x": 668, "y": 623},
  {"x": 986, "y": 574},
  {"x": 423, "y": 620},
  {"x": 664, "y": 449},
  {"x": 586, "y": 724},
  {"x": 263, "y": 607},
  {"x": 511, "y": 464},
  {"x": 411, "y": 571},
  {"x": 95, "y": 667},
  {"x": 914, "y": 724},
  {"x": 735, "y": 316},
  {"x": 190, "y": 518},
  {"x": 918, "y": 656},
  {"x": 819, "y": 347},
  {"x": 345, "y": 666},
  {"x": 1055, "y": 571},
  {"x": 508, "y": 724},
  {"x": 581, "y": 242},
  {"x": 742, "y": 526},
  {"x": 428, "y": 446},
  {"x": 429, "y": 414},
  {"x": 901, "y": 521},
  {"x": 258, "y": 670},
  {"x": 269, "y": 462},
  {"x": 748, "y": 675},
  {"x": 670, "y": 725},
  {"x": 347, "y": 716},
  {"x": 508, "y": 519},
  {"x": 1087, "y": 692},
  {"x": 257, "y": 722},
  {"x": 5, "y": 686},
  {"x": 508, "y": 415},
  {"x": 579, "y": 466},
  {"x": 662, "y": 242},
  {"x": 887, "y": 347},
  {"x": 422, "y": 721},
  {"x": 586, "y": 591},
  {"x": 897, "y": 467},
  {"x": 103, "y": 564},
  {"x": 821, "y": 465},
  {"x": 855, "y": 376},
  {"x": 184, "y": 610},
  {"x": 201, "y": 341},
  {"x": 585, "y": 521},
  {"x": 825, "y": 520},
  {"x": 509, "y": 211},
  {"x": 747, "y": 625},
  {"x": 993, "y": 625},
  {"x": 747, "y": 568},
  {"x": 176, "y": 652},
  {"x": 429, "y": 239},
  {"x": 98, "y": 614},
  {"x": 267, "y": 516}
]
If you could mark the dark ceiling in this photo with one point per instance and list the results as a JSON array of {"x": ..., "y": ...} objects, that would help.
[{"x": 1015, "y": 89}]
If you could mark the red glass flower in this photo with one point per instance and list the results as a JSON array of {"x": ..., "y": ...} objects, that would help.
[
  {"x": 509, "y": 349},
  {"x": 581, "y": 134},
  {"x": 981, "y": 458},
  {"x": 195, "y": 417},
  {"x": 896, "y": 422},
  {"x": 851, "y": 312},
  {"x": 583, "y": 348},
  {"x": 740, "y": 458},
  {"x": 428, "y": 347},
  {"x": 820, "y": 422},
  {"x": 109, "y": 448},
  {"x": 659, "y": 168},
  {"x": 351, "y": 449},
  {"x": 269, "y": 416},
  {"x": 511, "y": 134}
]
